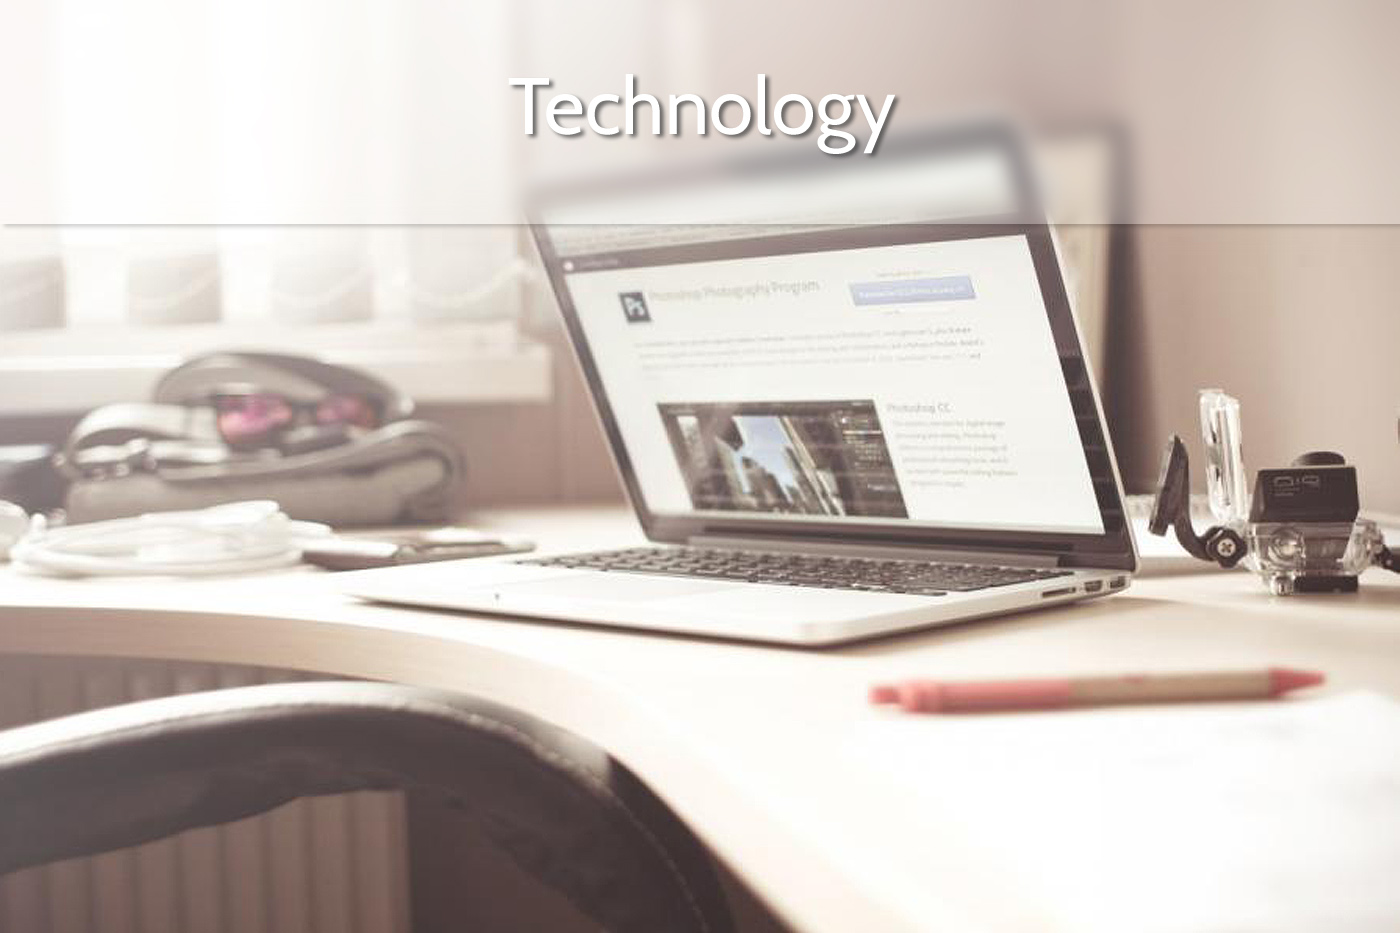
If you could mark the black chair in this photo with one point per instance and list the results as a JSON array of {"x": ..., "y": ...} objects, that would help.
[{"x": 565, "y": 811}]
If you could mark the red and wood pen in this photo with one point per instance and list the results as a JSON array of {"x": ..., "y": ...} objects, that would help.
[{"x": 928, "y": 696}]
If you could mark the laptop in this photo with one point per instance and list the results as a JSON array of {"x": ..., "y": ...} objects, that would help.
[{"x": 870, "y": 415}]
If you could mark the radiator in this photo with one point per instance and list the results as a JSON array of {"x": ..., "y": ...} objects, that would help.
[{"x": 330, "y": 865}]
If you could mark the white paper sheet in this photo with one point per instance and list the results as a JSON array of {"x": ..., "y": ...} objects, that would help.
[{"x": 1271, "y": 816}]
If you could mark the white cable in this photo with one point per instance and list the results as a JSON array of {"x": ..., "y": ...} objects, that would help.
[
  {"x": 240, "y": 537},
  {"x": 14, "y": 524}
]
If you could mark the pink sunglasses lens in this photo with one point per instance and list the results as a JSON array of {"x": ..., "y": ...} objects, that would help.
[
  {"x": 348, "y": 410},
  {"x": 251, "y": 418}
]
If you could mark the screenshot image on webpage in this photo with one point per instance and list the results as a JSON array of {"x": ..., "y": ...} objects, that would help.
[{"x": 805, "y": 458}]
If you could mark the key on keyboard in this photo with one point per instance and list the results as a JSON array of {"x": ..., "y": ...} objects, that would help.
[{"x": 841, "y": 573}]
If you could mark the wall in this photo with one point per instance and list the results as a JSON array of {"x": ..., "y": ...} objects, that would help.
[
  {"x": 1302, "y": 324},
  {"x": 547, "y": 452}
]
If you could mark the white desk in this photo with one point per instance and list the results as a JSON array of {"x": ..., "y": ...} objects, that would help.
[{"x": 760, "y": 749}]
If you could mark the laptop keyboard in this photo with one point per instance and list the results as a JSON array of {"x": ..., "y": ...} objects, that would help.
[{"x": 834, "y": 573}]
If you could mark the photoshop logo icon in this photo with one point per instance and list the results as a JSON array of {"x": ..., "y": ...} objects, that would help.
[{"x": 634, "y": 305}]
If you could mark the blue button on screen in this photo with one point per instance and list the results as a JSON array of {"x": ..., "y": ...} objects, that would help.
[{"x": 913, "y": 291}]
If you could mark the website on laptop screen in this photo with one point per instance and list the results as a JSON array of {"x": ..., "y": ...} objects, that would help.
[{"x": 904, "y": 383}]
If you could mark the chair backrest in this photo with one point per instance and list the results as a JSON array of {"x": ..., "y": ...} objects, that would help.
[{"x": 562, "y": 808}]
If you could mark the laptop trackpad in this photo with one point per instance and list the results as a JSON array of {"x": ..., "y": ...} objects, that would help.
[{"x": 610, "y": 587}]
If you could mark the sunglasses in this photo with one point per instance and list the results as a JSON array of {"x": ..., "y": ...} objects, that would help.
[{"x": 260, "y": 419}]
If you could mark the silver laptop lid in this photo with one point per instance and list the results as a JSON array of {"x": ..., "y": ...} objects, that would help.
[{"x": 895, "y": 363}]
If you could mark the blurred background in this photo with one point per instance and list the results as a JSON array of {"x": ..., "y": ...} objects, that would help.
[
  {"x": 341, "y": 178},
  {"x": 1247, "y": 151}
]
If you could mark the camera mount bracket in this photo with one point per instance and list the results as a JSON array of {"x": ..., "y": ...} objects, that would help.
[{"x": 1171, "y": 508}]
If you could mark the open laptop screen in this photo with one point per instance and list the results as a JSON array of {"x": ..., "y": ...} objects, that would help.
[{"x": 827, "y": 374}]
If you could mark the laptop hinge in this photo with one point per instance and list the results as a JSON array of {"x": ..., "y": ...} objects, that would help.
[{"x": 850, "y": 549}]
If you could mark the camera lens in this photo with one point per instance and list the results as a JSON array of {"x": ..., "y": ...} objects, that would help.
[{"x": 1285, "y": 547}]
